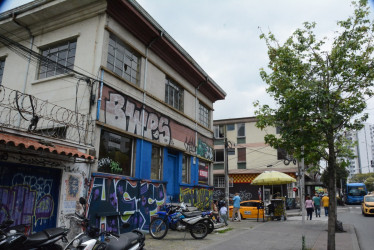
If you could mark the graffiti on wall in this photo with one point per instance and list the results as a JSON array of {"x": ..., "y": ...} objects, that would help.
[
  {"x": 190, "y": 144},
  {"x": 115, "y": 201},
  {"x": 245, "y": 191},
  {"x": 73, "y": 185},
  {"x": 204, "y": 150},
  {"x": 198, "y": 197},
  {"x": 124, "y": 113},
  {"x": 127, "y": 114},
  {"x": 29, "y": 195}
]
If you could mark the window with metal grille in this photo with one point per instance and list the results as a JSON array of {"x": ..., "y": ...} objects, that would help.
[
  {"x": 173, "y": 94},
  {"x": 122, "y": 60},
  {"x": 204, "y": 115},
  {"x": 61, "y": 59},
  {"x": 219, "y": 182},
  {"x": 2, "y": 64},
  {"x": 242, "y": 155}
]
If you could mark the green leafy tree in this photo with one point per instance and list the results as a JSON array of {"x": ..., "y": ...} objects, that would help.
[
  {"x": 368, "y": 179},
  {"x": 319, "y": 87}
]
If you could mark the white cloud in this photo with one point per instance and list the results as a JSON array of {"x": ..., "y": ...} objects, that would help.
[{"x": 223, "y": 38}]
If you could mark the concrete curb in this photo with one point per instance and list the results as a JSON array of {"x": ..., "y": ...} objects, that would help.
[{"x": 356, "y": 245}]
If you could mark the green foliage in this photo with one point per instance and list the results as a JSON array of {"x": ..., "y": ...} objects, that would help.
[
  {"x": 318, "y": 93},
  {"x": 368, "y": 179},
  {"x": 320, "y": 88},
  {"x": 115, "y": 167}
]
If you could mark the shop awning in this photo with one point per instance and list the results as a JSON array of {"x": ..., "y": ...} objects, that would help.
[{"x": 35, "y": 144}]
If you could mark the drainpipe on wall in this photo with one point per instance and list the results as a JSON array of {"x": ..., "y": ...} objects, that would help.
[
  {"x": 145, "y": 88},
  {"x": 100, "y": 95},
  {"x": 196, "y": 112}
]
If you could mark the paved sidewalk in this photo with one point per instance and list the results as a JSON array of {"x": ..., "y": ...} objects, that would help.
[{"x": 285, "y": 235}]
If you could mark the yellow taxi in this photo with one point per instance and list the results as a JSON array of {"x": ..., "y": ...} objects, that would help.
[
  {"x": 248, "y": 209},
  {"x": 367, "y": 206}
]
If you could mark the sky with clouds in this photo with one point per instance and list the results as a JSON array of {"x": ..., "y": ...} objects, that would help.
[{"x": 223, "y": 38}]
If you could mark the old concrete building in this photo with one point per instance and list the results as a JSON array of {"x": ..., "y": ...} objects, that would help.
[{"x": 149, "y": 103}]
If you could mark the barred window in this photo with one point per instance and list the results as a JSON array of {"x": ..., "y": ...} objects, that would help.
[
  {"x": 2, "y": 63},
  {"x": 122, "y": 60},
  {"x": 61, "y": 58},
  {"x": 204, "y": 115},
  {"x": 219, "y": 182},
  {"x": 174, "y": 95}
]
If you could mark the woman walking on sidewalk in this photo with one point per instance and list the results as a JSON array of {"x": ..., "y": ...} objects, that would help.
[{"x": 309, "y": 205}]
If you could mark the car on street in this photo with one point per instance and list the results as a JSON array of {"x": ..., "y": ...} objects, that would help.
[
  {"x": 248, "y": 209},
  {"x": 367, "y": 206}
]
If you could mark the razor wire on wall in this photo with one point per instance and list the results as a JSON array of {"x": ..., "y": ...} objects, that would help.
[{"x": 28, "y": 113}]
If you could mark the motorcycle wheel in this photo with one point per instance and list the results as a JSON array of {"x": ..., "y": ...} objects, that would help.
[
  {"x": 158, "y": 228},
  {"x": 199, "y": 230},
  {"x": 210, "y": 225}
]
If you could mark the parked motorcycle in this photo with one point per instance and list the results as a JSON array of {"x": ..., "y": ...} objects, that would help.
[
  {"x": 43, "y": 240},
  {"x": 208, "y": 215},
  {"x": 175, "y": 218},
  {"x": 92, "y": 238}
]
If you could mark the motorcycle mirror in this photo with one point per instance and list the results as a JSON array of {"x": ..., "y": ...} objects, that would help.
[
  {"x": 82, "y": 201},
  {"x": 126, "y": 225}
]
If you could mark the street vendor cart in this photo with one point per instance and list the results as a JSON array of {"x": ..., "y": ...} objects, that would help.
[{"x": 276, "y": 210}]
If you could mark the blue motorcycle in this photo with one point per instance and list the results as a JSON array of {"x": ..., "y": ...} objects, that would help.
[{"x": 174, "y": 218}]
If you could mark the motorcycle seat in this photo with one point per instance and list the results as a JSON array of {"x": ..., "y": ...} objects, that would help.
[
  {"x": 125, "y": 241},
  {"x": 40, "y": 237},
  {"x": 191, "y": 214},
  {"x": 36, "y": 238},
  {"x": 54, "y": 232}
]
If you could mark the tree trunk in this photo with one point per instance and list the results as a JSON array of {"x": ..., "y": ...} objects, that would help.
[{"x": 332, "y": 195}]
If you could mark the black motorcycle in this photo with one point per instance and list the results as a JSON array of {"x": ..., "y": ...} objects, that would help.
[
  {"x": 10, "y": 238},
  {"x": 92, "y": 238}
]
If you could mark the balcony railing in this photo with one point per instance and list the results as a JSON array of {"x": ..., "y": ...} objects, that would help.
[{"x": 27, "y": 113}]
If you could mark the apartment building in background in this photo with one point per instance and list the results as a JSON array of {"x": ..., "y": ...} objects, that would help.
[
  {"x": 363, "y": 150},
  {"x": 248, "y": 156},
  {"x": 143, "y": 108}
]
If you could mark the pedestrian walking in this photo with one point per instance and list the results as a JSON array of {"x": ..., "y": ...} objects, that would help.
[
  {"x": 325, "y": 203},
  {"x": 309, "y": 205},
  {"x": 223, "y": 215},
  {"x": 236, "y": 205},
  {"x": 317, "y": 205}
]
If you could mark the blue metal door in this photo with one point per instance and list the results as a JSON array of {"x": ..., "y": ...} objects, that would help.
[
  {"x": 29, "y": 195},
  {"x": 170, "y": 175}
]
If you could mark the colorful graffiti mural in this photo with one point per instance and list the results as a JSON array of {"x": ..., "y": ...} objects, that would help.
[
  {"x": 201, "y": 198},
  {"x": 127, "y": 114},
  {"x": 29, "y": 195},
  {"x": 204, "y": 150},
  {"x": 114, "y": 201}
]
